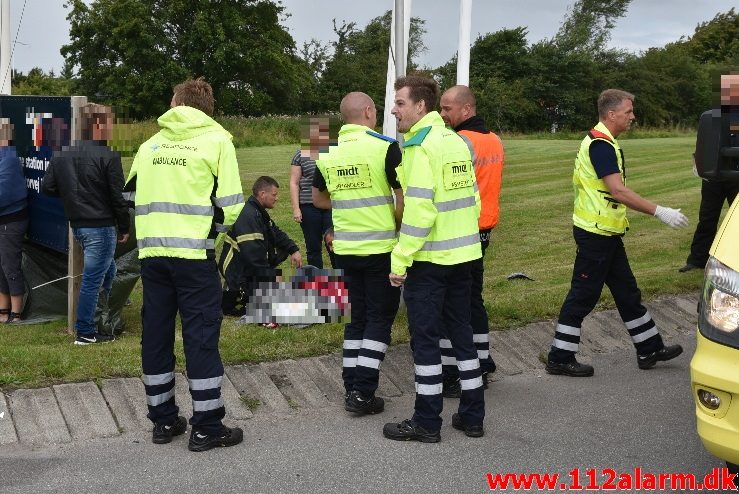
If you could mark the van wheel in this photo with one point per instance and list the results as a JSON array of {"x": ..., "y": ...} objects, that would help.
[{"x": 733, "y": 468}]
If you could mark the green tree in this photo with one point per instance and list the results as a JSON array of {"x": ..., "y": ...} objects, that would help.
[
  {"x": 560, "y": 84},
  {"x": 499, "y": 68},
  {"x": 717, "y": 41},
  {"x": 39, "y": 83},
  {"x": 502, "y": 54},
  {"x": 588, "y": 24},
  {"x": 670, "y": 86},
  {"x": 359, "y": 59},
  {"x": 314, "y": 56},
  {"x": 132, "y": 52}
]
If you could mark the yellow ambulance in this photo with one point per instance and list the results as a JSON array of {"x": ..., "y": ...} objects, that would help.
[{"x": 714, "y": 369}]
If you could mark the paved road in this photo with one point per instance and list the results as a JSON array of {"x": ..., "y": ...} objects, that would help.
[{"x": 621, "y": 418}]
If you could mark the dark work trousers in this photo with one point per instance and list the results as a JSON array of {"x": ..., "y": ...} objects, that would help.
[
  {"x": 438, "y": 297},
  {"x": 314, "y": 224},
  {"x": 601, "y": 259},
  {"x": 713, "y": 195},
  {"x": 374, "y": 303},
  {"x": 193, "y": 288},
  {"x": 478, "y": 320},
  {"x": 11, "y": 244}
]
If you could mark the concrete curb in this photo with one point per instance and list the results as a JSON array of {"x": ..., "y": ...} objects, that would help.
[{"x": 38, "y": 418}]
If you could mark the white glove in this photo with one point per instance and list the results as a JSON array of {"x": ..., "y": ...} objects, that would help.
[{"x": 671, "y": 217}]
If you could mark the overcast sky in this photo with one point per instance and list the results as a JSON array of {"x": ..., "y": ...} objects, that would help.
[{"x": 44, "y": 28}]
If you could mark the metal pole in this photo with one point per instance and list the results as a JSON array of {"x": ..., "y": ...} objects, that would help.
[
  {"x": 388, "y": 123},
  {"x": 5, "y": 61},
  {"x": 400, "y": 41},
  {"x": 463, "y": 50},
  {"x": 401, "y": 20}
]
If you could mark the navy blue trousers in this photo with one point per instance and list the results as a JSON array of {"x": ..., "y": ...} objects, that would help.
[
  {"x": 437, "y": 298},
  {"x": 374, "y": 304},
  {"x": 713, "y": 196},
  {"x": 478, "y": 320},
  {"x": 192, "y": 288},
  {"x": 601, "y": 259}
]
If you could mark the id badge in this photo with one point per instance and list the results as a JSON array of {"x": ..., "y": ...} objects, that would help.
[
  {"x": 458, "y": 175},
  {"x": 355, "y": 176}
]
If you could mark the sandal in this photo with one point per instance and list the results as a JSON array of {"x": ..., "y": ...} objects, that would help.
[
  {"x": 5, "y": 312},
  {"x": 13, "y": 317}
]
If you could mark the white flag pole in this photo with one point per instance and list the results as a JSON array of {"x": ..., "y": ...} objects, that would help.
[
  {"x": 5, "y": 59},
  {"x": 401, "y": 24},
  {"x": 463, "y": 49}
]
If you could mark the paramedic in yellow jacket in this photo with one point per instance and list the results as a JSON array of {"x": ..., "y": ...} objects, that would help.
[
  {"x": 187, "y": 189},
  {"x": 356, "y": 180},
  {"x": 438, "y": 242},
  {"x": 599, "y": 217}
]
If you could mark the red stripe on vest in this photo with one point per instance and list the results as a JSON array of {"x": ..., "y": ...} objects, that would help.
[{"x": 596, "y": 134}]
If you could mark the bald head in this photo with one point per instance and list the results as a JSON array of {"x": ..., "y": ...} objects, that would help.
[
  {"x": 462, "y": 95},
  {"x": 457, "y": 105},
  {"x": 358, "y": 108}
]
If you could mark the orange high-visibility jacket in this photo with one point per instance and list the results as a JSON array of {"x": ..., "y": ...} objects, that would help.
[{"x": 487, "y": 157}]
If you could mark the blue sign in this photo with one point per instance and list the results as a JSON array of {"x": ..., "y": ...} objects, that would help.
[{"x": 42, "y": 126}]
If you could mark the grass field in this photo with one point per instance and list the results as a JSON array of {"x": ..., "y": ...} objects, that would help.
[{"x": 534, "y": 236}]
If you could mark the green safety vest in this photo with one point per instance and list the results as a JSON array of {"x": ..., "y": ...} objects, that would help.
[
  {"x": 361, "y": 200},
  {"x": 595, "y": 209},
  {"x": 442, "y": 203},
  {"x": 183, "y": 175}
]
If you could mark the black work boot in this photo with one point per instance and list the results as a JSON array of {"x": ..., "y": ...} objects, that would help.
[
  {"x": 356, "y": 403},
  {"x": 227, "y": 436},
  {"x": 469, "y": 430},
  {"x": 666, "y": 353},
  {"x": 572, "y": 369},
  {"x": 163, "y": 434},
  {"x": 408, "y": 430}
]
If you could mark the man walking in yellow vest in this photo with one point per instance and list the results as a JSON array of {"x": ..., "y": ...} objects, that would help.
[
  {"x": 601, "y": 199},
  {"x": 356, "y": 179},
  {"x": 438, "y": 242}
]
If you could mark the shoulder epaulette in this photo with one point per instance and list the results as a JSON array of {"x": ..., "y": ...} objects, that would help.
[
  {"x": 596, "y": 134},
  {"x": 381, "y": 136},
  {"x": 418, "y": 138}
]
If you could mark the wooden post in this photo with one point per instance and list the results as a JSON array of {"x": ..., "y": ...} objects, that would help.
[
  {"x": 75, "y": 265},
  {"x": 75, "y": 257}
]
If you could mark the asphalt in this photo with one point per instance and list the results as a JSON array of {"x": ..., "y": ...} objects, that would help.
[{"x": 38, "y": 419}]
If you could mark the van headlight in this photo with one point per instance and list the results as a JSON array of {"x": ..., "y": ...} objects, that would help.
[{"x": 719, "y": 317}]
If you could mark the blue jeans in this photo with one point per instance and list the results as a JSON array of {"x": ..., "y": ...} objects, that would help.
[
  {"x": 98, "y": 245},
  {"x": 315, "y": 223}
]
